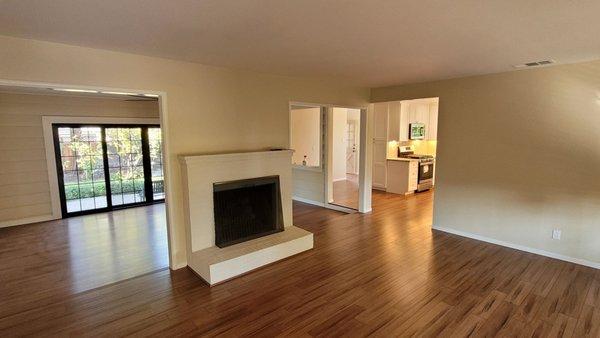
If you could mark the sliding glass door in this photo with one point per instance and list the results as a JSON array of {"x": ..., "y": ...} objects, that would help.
[
  {"x": 125, "y": 165},
  {"x": 81, "y": 161},
  {"x": 102, "y": 167}
]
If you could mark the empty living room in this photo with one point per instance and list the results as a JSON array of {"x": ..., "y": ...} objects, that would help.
[{"x": 300, "y": 168}]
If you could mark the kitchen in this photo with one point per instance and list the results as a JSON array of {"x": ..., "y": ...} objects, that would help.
[{"x": 404, "y": 145}]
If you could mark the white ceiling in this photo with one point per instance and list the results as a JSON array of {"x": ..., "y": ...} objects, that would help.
[{"x": 366, "y": 42}]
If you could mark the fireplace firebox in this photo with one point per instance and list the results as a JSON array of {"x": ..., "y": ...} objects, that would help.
[{"x": 246, "y": 209}]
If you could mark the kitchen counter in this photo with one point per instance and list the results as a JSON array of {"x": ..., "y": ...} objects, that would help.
[{"x": 402, "y": 159}]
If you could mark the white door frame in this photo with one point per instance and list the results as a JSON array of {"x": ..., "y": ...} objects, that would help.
[
  {"x": 163, "y": 113},
  {"x": 364, "y": 184},
  {"x": 364, "y": 170}
]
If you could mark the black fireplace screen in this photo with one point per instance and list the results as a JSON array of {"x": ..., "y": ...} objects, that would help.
[{"x": 246, "y": 209}]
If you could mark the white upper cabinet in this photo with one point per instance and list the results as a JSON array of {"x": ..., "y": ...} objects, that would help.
[
  {"x": 394, "y": 121},
  {"x": 418, "y": 111}
]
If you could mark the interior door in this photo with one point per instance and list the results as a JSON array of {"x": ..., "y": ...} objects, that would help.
[{"x": 351, "y": 148}]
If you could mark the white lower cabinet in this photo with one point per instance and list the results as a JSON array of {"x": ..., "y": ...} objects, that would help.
[{"x": 402, "y": 176}]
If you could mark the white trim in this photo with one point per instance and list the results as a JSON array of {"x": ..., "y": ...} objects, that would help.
[
  {"x": 339, "y": 179},
  {"x": 28, "y": 220},
  {"x": 190, "y": 159},
  {"x": 325, "y": 205},
  {"x": 48, "y": 121},
  {"x": 307, "y": 201},
  {"x": 540, "y": 252},
  {"x": 364, "y": 185},
  {"x": 340, "y": 208},
  {"x": 163, "y": 113}
]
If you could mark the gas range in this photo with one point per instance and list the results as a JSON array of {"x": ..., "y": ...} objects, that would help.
[
  {"x": 426, "y": 167},
  {"x": 420, "y": 158},
  {"x": 408, "y": 152}
]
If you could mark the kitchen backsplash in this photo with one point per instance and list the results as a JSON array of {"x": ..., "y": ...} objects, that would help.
[{"x": 422, "y": 147}]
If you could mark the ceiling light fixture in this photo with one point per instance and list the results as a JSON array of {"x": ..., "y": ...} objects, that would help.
[
  {"x": 120, "y": 93},
  {"x": 72, "y": 90}
]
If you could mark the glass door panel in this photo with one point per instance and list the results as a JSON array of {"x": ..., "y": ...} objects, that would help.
[
  {"x": 156, "y": 164},
  {"x": 82, "y": 167},
  {"x": 125, "y": 165},
  {"x": 123, "y": 161}
]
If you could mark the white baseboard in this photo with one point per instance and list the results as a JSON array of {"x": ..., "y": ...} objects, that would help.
[
  {"x": 579, "y": 261},
  {"x": 324, "y": 205},
  {"x": 340, "y": 208},
  {"x": 21, "y": 221},
  {"x": 307, "y": 201}
]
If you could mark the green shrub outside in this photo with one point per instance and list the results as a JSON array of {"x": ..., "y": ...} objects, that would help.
[{"x": 87, "y": 189}]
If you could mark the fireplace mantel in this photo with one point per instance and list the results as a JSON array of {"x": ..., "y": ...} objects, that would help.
[{"x": 199, "y": 173}]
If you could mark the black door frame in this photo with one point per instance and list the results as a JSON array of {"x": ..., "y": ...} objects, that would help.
[{"x": 145, "y": 160}]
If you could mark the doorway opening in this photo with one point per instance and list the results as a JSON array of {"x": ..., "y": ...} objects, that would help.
[
  {"x": 405, "y": 148},
  {"x": 345, "y": 149},
  {"x": 106, "y": 146},
  {"x": 107, "y": 167},
  {"x": 312, "y": 139}
]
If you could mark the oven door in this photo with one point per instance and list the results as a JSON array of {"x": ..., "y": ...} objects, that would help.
[{"x": 426, "y": 171}]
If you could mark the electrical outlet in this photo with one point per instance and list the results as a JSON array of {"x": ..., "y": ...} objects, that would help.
[{"x": 556, "y": 234}]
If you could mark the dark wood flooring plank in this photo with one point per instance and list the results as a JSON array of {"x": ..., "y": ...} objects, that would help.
[{"x": 385, "y": 273}]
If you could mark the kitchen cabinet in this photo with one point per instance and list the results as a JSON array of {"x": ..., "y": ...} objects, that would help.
[
  {"x": 402, "y": 176},
  {"x": 418, "y": 111},
  {"x": 380, "y": 130},
  {"x": 394, "y": 121}
]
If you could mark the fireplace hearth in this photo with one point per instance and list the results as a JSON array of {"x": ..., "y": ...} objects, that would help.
[
  {"x": 250, "y": 207},
  {"x": 246, "y": 209}
]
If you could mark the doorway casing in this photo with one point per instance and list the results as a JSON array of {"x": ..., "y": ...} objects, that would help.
[
  {"x": 364, "y": 180},
  {"x": 163, "y": 121}
]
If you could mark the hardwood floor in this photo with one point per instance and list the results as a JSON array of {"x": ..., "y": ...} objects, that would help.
[
  {"x": 80, "y": 253},
  {"x": 345, "y": 192},
  {"x": 385, "y": 273}
]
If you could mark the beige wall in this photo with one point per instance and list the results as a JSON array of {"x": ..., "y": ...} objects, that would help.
[
  {"x": 519, "y": 155},
  {"x": 309, "y": 186},
  {"x": 210, "y": 109},
  {"x": 306, "y": 136},
  {"x": 24, "y": 188}
]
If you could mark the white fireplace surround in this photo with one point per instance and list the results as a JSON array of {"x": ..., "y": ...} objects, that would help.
[{"x": 199, "y": 173}]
